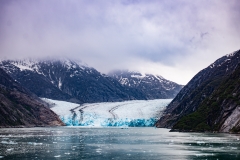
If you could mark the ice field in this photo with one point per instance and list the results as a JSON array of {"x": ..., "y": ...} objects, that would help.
[{"x": 137, "y": 113}]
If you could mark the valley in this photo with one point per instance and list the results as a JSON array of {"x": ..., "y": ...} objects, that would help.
[{"x": 119, "y": 80}]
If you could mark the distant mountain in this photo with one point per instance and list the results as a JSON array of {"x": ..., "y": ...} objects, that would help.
[
  {"x": 64, "y": 79},
  {"x": 19, "y": 107},
  {"x": 210, "y": 101},
  {"x": 68, "y": 80},
  {"x": 153, "y": 86}
]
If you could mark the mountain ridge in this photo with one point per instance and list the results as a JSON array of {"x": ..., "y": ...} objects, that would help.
[
  {"x": 65, "y": 79},
  {"x": 155, "y": 86},
  {"x": 194, "y": 95}
]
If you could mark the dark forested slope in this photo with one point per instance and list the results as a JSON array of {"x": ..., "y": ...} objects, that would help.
[{"x": 209, "y": 102}]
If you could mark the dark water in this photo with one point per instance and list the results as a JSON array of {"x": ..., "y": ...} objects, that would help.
[{"x": 115, "y": 143}]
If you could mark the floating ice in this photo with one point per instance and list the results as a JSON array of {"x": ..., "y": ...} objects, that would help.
[
  {"x": 10, "y": 149},
  {"x": 137, "y": 113},
  {"x": 34, "y": 143},
  {"x": 57, "y": 156},
  {"x": 8, "y": 142},
  {"x": 200, "y": 142}
]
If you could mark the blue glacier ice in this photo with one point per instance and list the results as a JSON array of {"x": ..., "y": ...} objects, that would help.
[
  {"x": 110, "y": 122},
  {"x": 136, "y": 113}
]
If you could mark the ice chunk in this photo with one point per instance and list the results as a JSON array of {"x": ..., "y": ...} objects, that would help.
[
  {"x": 8, "y": 142},
  {"x": 57, "y": 156}
]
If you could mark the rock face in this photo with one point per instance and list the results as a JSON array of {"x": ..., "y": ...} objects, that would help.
[
  {"x": 153, "y": 86},
  {"x": 64, "y": 79},
  {"x": 20, "y": 108},
  {"x": 210, "y": 101}
]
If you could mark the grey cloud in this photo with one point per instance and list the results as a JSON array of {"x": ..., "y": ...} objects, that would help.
[{"x": 124, "y": 33}]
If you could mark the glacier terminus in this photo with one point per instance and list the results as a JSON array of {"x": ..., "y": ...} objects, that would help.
[{"x": 136, "y": 113}]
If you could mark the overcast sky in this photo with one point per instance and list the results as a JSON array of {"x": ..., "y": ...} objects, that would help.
[{"x": 172, "y": 38}]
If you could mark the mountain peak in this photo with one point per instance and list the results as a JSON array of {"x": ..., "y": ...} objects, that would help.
[
  {"x": 33, "y": 64},
  {"x": 232, "y": 54},
  {"x": 66, "y": 79},
  {"x": 156, "y": 86}
]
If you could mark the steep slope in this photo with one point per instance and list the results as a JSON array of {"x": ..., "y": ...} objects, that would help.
[
  {"x": 30, "y": 75},
  {"x": 199, "y": 96},
  {"x": 64, "y": 79},
  {"x": 220, "y": 111},
  {"x": 153, "y": 86},
  {"x": 19, "y": 107}
]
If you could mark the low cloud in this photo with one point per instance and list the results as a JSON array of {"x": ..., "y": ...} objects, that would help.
[{"x": 175, "y": 39}]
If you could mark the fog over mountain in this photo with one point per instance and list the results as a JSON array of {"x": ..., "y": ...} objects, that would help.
[{"x": 161, "y": 37}]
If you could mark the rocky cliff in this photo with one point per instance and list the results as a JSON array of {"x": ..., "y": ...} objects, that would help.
[
  {"x": 20, "y": 108},
  {"x": 210, "y": 101}
]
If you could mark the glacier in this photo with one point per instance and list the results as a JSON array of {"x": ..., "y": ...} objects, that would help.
[{"x": 135, "y": 113}]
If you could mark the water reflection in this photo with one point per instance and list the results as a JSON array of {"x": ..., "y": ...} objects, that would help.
[{"x": 115, "y": 143}]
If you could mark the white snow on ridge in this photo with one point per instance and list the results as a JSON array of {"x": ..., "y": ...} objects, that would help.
[
  {"x": 138, "y": 76},
  {"x": 33, "y": 64},
  {"x": 127, "y": 113},
  {"x": 24, "y": 64},
  {"x": 160, "y": 78},
  {"x": 22, "y": 67},
  {"x": 231, "y": 54},
  {"x": 124, "y": 81},
  {"x": 60, "y": 83}
]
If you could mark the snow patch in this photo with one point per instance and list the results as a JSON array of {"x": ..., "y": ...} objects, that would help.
[
  {"x": 160, "y": 78},
  {"x": 138, "y": 76},
  {"x": 60, "y": 83},
  {"x": 22, "y": 67},
  {"x": 231, "y": 54},
  {"x": 124, "y": 81}
]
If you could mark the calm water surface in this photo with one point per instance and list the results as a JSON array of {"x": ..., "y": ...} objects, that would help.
[{"x": 115, "y": 143}]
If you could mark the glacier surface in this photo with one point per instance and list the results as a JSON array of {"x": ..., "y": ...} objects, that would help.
[{"x": 136, "y": 113}]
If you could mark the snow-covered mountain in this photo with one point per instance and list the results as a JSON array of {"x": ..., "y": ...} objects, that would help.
[
  {"x": 64, "y": 79},
  {"x": 154, "y": 86},
  {"x": 68, "y": 80}
]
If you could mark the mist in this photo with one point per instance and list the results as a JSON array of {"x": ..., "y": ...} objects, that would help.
[{"x": 174, "y": 39}]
